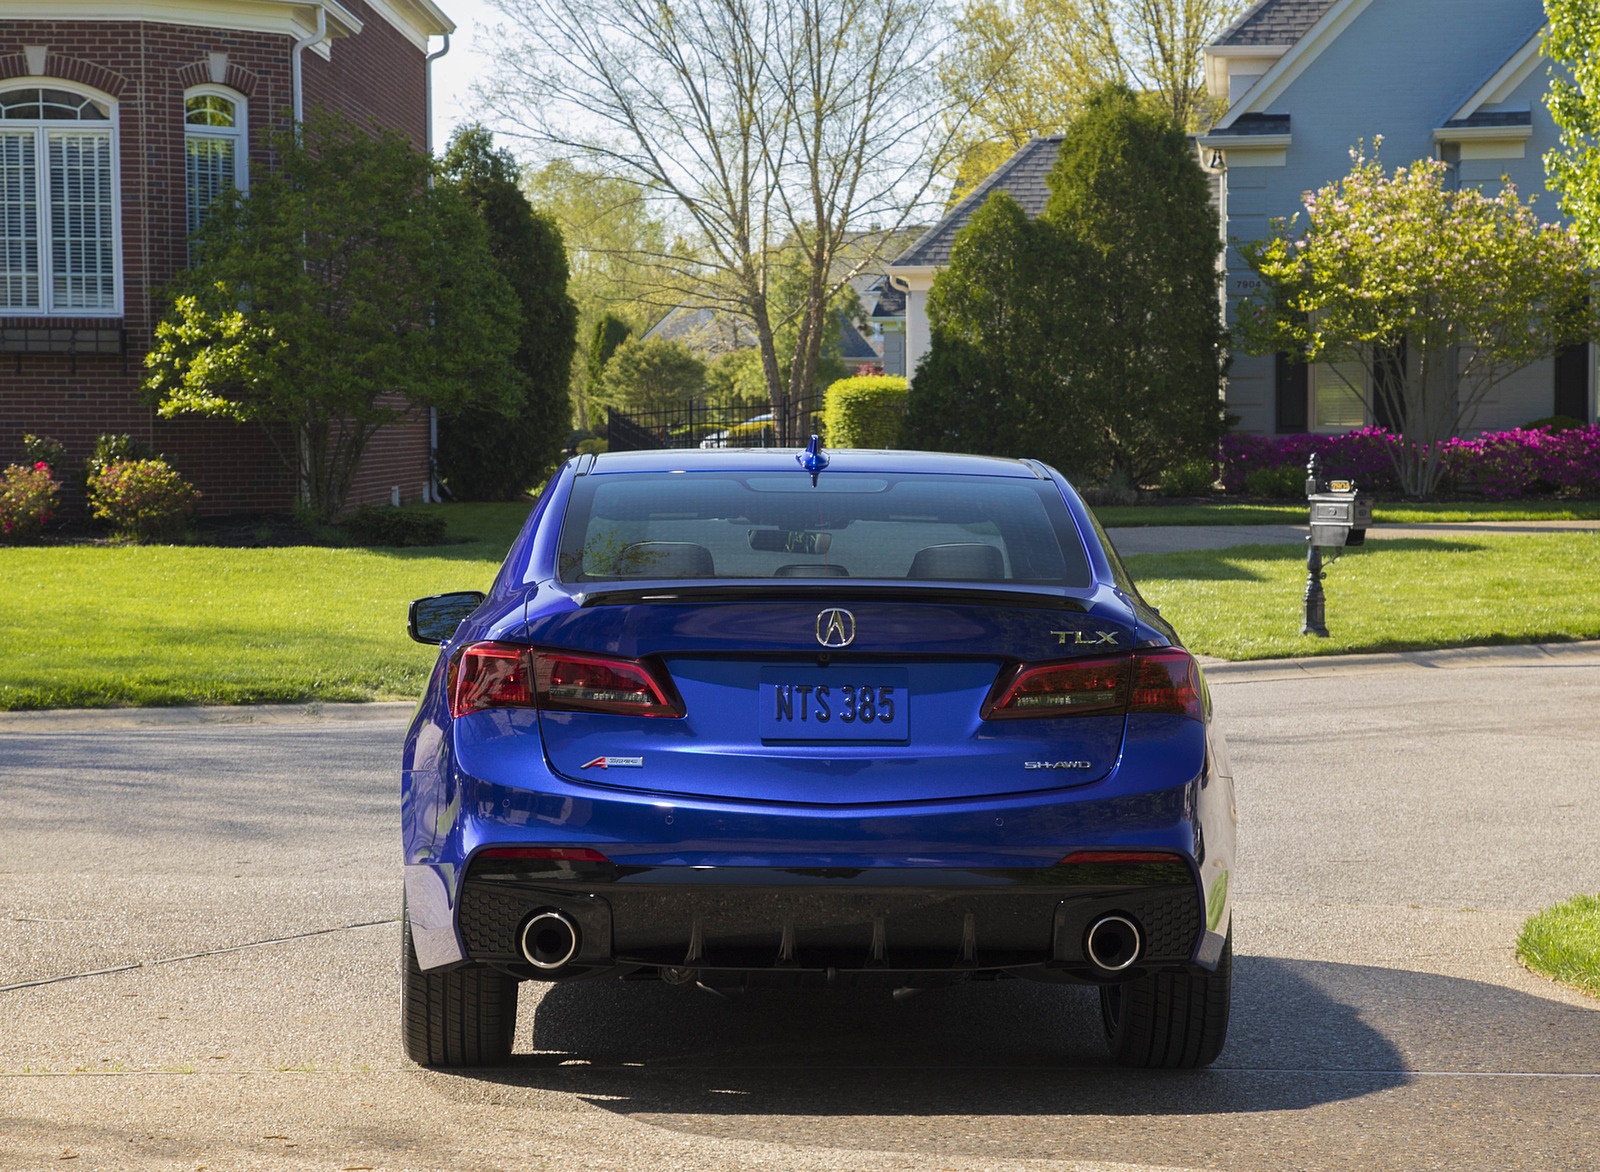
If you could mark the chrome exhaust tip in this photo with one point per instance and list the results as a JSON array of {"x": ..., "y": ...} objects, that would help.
[
  {"x": 549, "y": 940},
  {"x": 1113, "y": 943}
]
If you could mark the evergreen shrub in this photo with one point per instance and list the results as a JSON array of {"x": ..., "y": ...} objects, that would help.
[
  {"x": 864, "y": 412},
  {"x": 143, "y": 499},
  {"x": 388, "y": 526}
]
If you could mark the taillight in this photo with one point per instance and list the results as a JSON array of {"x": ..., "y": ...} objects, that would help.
[
  {"x": 1160, "y": 681},
  {"x": 490, "y": 675},
  {"x": 1079, "y": 687},
  {"x": 564, "y": 854},
  {"x": 1091, "y": 857},
  {"x": 590, "y": 683},
  {"x": 508, "y": 675}
]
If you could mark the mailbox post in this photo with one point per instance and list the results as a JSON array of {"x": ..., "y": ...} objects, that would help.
[{"x": 1339, "y": 518}]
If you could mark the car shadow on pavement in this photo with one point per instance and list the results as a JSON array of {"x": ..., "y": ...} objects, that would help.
[{"x": 1303, "y": 1033}]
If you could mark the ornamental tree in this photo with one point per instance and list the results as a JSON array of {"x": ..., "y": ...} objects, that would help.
[
  {"x": 1439, "y": 294},
  {"x": 1572, "y": 42},
  {"x": 344, "y": 293}
]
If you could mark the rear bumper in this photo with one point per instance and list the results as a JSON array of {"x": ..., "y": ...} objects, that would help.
[{"x": 718, "y": 921}]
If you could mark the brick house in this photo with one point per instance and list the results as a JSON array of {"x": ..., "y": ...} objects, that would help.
[{"x": 119, "y": 121}]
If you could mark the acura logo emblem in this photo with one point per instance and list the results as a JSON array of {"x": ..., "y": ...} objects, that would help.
[{"x": 836, "y": 628}]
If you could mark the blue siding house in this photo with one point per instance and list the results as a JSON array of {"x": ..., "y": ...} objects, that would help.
[{"x": 1460, "y": 80}]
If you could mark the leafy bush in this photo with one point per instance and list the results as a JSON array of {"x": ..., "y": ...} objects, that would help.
[
  {"x": 1192, "y": 478},
  {"x": 387, "y": 525},
  {"x": 27, "y": 501},
  {"x": 864, "y": 412},
  {"x": 1282, "y": 483},
  {"x": 42, "y": 449},
  {"x": 143, "y": 499},
  {"x": 1555, "y": 423},
  {"x": 114, "y": 449},
  {"x": 592, "y": 446}
]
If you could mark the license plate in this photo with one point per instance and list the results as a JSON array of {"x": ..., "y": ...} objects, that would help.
[{"x": 834, "y": 704}]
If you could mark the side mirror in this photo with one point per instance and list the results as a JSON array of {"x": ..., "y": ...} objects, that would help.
[{"x": 435, "y": 618}]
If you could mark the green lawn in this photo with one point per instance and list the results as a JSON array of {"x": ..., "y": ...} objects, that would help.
[
  {"x": 1564, "y": 942},
  {"x": 1394, "y": 513},
  {"x": 89, "y": 626},
  {"x": 1245, "y": 602}
]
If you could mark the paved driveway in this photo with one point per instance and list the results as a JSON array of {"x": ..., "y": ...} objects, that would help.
[{"x": 234, "y": 886}]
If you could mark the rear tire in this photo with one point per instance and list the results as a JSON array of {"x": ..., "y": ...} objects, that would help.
[
  {"x": 1174, "y": 1021},
  {"x": 455, "y": 1017}
]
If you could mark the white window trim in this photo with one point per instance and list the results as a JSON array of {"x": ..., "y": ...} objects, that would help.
[
  {"x": 40, "y": 138},
  {"x": 239, "y": 131}
]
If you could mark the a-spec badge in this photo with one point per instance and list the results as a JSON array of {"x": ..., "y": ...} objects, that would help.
[
  {"x": 836, "y": 628},
  {"x": 1057, "y": 765},
  {"x": 615, "y": 763}
]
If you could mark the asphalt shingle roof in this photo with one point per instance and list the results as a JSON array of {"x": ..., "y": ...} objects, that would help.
[
  {"x": 1023, "y": 176},
  {"x": 1274, "y": 22}
]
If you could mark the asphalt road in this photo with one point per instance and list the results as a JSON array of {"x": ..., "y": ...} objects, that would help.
[{"x": 237, "y": 883}]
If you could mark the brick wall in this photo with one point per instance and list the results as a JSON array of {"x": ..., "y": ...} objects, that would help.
[{"x": 147, "y": 66}]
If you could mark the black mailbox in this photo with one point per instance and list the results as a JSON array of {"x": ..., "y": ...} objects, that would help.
[{"x": 1339, "y": 517}]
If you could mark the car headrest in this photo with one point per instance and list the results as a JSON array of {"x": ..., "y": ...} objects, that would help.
[
  {"x": 666, "y": 559},
  {"x": 959, "y": 561},
  {"x": 811, "y": 570}
]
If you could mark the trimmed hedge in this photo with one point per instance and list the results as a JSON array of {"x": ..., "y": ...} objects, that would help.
[{"x": 864, "y": 412}]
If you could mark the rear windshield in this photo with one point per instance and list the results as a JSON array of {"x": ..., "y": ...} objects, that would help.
[{"x": 695, "y": 525}]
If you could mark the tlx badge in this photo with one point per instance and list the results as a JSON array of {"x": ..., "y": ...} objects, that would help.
[{"x": 1079, "y": 639}]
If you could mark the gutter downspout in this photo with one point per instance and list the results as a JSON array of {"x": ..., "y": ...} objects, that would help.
[
  {"x": 433, "y": 412},
  {"x": 294, "y": 63}
]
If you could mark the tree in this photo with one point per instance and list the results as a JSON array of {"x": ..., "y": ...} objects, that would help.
[
  {"x": 769, "y": 125},
  {"x": 610, "y": 331},
  {"x": 482, "y": 454},
  {"x": 652, "y": 374},
  {"x": 1026, "y": 67},
  {"x": 1089, "y": 337},
  {"x": 1439, "y": 294},
  {"x": 342, "y": 294},
  {"x": 1572, "y": 42}
]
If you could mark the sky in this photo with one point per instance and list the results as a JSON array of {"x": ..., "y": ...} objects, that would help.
[{"x": 454, "y": 73}]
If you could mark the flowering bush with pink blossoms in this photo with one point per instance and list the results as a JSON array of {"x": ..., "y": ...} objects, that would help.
[
  {"x": 27, "y": 501},
  {"x": 1500, "y": 464}
]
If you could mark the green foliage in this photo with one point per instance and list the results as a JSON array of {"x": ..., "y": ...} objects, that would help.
[
  {"x": 1190, "y": 478},
  {"x": 735, "y": 379},
  {"x": 1555, "y": 423},
  {"x": 143, "y": 499},
  {"x": 1563, "y": 942},
  {"x": 385, "y": 525},
  {"x": 1572, "y": 42},
  {"x": 864, "y": 412},
  {"x": 652, "y": 374},
  {"x": 592, "y": 446},
  {"x": 27, "y": 501},
  {"x": 1089, "y": 337},
  {"x": 1471, "y": 286},
  {"x": 112, "y": 449},
  {"x": 43, "y": 449},
  {"x": 342, "y": 294},
  {"x": 1282, "y": 483},
  {"x": 483, "y": 455},
  {"x": 610, "y": 331}
]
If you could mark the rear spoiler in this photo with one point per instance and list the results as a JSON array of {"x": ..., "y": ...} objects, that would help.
[{"x": 831, "y": 590}]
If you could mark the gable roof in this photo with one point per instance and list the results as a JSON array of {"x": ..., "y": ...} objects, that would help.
[
  {"x": 1331, "y": 19},
  {"x": 1023, "y": 176},
  {"x": 1274, "y": 22},
  {"x": 1517, "y": 69}
]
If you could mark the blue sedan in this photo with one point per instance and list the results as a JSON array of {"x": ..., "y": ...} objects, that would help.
[{"x": 763, "y": 717}]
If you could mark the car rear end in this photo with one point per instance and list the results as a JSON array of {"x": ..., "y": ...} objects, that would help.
[{"x": 904, "y": 723}]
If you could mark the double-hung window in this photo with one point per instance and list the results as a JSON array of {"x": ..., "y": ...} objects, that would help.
[
  {"x": 58, "y": 203},
  {"x": 213, "y": 150}
]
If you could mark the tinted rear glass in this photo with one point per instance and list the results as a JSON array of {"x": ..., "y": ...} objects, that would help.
[{"x": 693, "y": 525}]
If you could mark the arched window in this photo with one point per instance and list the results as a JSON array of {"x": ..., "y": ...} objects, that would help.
[
  {"x": 58, "y": 202},
  {"x": 214, "y": 148}
]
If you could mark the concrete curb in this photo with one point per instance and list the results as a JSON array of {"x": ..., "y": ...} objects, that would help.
[
  {"x": 1578, "y": 654},
  {"x": 87, "y": 719},
  {"x": 1218, "y": 671}
]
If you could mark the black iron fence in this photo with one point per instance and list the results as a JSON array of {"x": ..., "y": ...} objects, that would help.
[{"x": 706, "y": 425}]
